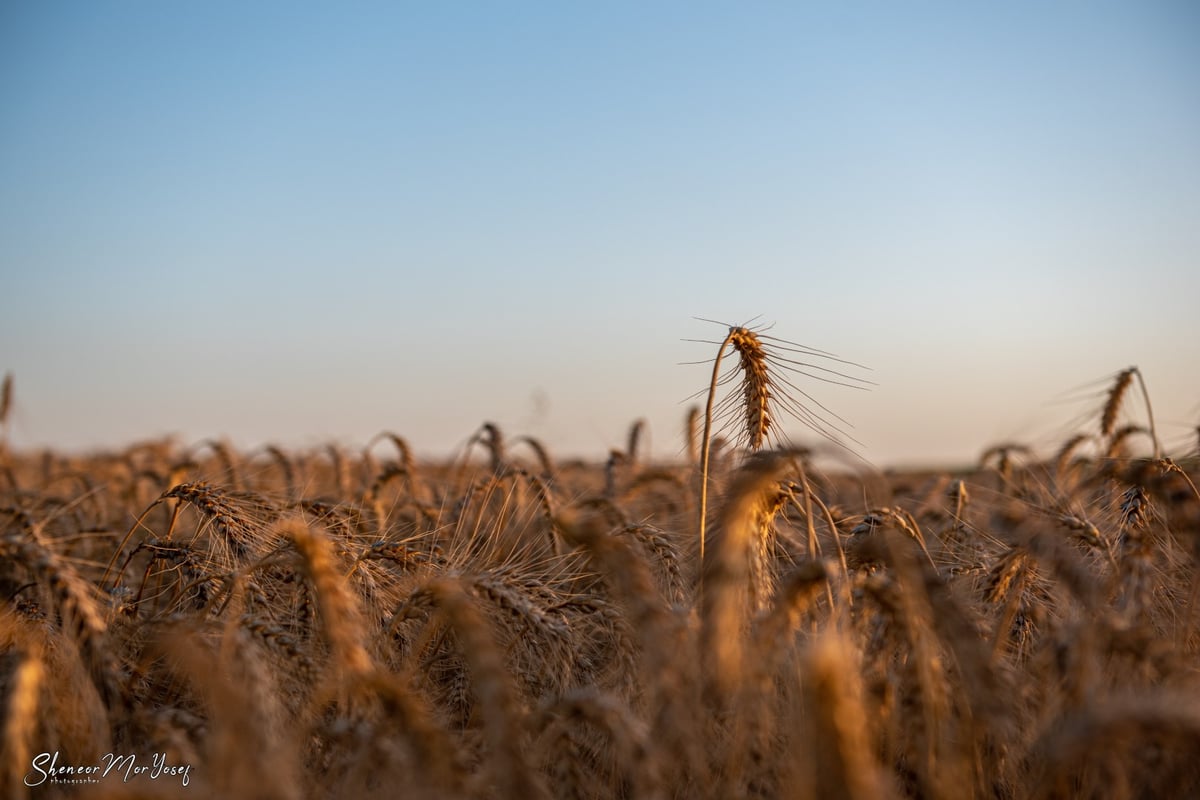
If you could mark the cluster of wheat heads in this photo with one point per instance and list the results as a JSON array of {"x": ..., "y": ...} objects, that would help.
[{"x": 362, "y": 624}]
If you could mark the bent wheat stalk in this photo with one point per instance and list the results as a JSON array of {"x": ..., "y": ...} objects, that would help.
[
  {"x": 756, "y": 390},
  {"x": 765, "y": 391},
  {"x": 1112, "y": 405}
]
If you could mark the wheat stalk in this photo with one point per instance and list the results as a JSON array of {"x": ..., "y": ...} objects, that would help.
[
  {"x": 755, "y": 389},
  {"x": 341, "y": 617},
  {"x": 492, "y": 688},
  {"x": 76, "y": 601},
  {"x": 6, "y": 405},
  {"x": 729, "y": 577},
  {"x": 1112, "y": 405},
  {"x": 840, "y": 754},
  {"x": 21, "y": 720},
  {"x": 543, "y": 455},
  {"x": 764, "y": 392}
]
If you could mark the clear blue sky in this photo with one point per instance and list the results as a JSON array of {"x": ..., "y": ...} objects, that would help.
[{"x": 290, "y": 222}]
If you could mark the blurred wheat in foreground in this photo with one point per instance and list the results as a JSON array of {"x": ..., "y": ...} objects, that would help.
[{"x": 362, "y": 624}]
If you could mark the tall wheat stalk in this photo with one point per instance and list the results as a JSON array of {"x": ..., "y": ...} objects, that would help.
[
  {"x": 763, "y": 392},
  {"x": 757, "y": 398}
]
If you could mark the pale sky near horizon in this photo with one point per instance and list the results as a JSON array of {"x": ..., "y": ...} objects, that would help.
[{"x": 299, "y": 222}]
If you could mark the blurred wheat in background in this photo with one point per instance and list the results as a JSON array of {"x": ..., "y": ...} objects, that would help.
[{"x": 325, "y": 623}]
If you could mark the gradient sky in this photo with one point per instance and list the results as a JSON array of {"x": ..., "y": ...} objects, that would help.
[{"x": 295, "y": 223}]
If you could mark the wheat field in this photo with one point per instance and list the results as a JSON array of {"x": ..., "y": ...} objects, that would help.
[{"x": 743, "y": 620}]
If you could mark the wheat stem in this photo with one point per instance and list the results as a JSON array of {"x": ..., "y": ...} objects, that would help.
[{"x": 706, "y": 442}]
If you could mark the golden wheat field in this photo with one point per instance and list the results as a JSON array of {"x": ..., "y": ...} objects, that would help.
[{"x": 744, "y": 620}]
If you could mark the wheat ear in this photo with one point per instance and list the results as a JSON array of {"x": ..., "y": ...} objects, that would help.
[
  {"x": 341, "y": 618},
  {"x": 635, "y": 437},
  {"x": 21, "y": 722},
  {"x": 756, "y": 398},
  {"x": 841, "y": 754},
  {"x": 1112, "y": 405},
  {"x": 543, "y": 455},
  {"x": 492, "y": 688},
  {"x": 6, "y": 395},
  {"x": 690, "y": 423},
  {"x": 727, "y": 591},
  {"x": 6, "y": 402}
]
